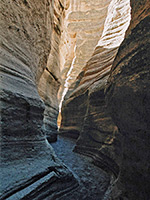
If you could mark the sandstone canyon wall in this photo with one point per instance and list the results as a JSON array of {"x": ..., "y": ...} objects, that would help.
[
  {"x": 49, "y": 46},
  {"x": 128, "y": 100},
  {"x": 95, "y": 122},
  {"x": 23, "y": 59},
  {"x": 29, "y": 167},
  {"x": 82, "y": 29},
  {"x": 50, "y": 79},
  {"x": 85, "y": 100}
]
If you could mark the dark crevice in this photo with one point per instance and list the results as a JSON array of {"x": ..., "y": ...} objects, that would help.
[
  {"x": 61, "y": 5},
  {"x": 54, "y": 77},
  {"x": 57, "y": 29}
]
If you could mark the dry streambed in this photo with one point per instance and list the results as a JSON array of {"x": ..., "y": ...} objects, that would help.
[{"x": 93, "y": 182}]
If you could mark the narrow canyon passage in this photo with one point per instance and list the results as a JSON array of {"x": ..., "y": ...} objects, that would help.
[
  {"x": 82, "y": 66},
  {"x": 93, "y": 181}
]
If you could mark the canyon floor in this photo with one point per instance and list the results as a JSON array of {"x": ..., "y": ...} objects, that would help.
[{"x": 93, "y": 182}]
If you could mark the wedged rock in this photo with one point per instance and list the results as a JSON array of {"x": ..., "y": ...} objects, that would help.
[{"x": 128, "y": 100}]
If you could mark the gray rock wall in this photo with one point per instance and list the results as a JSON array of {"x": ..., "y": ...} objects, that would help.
[
  {"x": 128, "y": 98},
  {"x": 24, "y": 56},
  {"x": 84, "y": 111},
  {"x": 29, "y": 168},
  {"x": 126, "y": 105}
]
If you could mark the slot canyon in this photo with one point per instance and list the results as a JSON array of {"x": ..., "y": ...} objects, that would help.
[{"x": 75, "y": 100}]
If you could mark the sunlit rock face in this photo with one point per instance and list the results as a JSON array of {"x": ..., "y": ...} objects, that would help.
[
  {"x": 29, "y": 167},
  {"x": 83, "y": 26},
  {"x": 85, "y": 100},
  {"x": 84, "y": 110},
  {"x": 85, "y": 21},
  {"x": 128, "y": 100}
]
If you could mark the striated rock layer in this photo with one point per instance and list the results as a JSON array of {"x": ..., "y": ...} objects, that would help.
[
  {"x": 23, "y": 56},
  {"x": 82, "y": 29},
  {"x": 26, "y": 64},
  {"x": 85, "y": 22},
  {"x": 50, "y": 80},
  {"x": 128, "y": 100},
  {"x": 84, "y": 111},
  {"x": 29, "y": 167}
]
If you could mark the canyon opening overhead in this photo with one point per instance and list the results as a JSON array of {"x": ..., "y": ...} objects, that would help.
[{"x": 75, "y": 100}]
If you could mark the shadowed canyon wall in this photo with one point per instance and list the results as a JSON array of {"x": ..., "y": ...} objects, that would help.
[
  {"x": 85, "y": 100},
  {"x": 128, "y": 101},
  {"x": 79, "y": 52},
  {"x": 29, "y": 167},
  {"x": 23, "y": 60},
  {"x": 95, "y": 122},
  {"x": 50, "y": 80}
]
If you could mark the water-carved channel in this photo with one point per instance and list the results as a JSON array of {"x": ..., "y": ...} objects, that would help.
[{"x": 93, "y": 182}]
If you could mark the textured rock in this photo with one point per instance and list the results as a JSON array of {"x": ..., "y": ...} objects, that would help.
[
  {"x": 73, "y": 109},
  {"x": 128, "y": 98},
  {"x": 86, "y": 22},
  {"x": 24, "y": 66},
  {"x": 94, "y": 181},
  {"x": 33, "y": 172},
  {"x": 50, "y": 80},
  {"x": 31, "y": 75},
  {"x": 84, "y": 112},
  {"x": 82, "y": 29},
  {"x": 23, "y": 57},
  {"x": 29, "y": 167}
]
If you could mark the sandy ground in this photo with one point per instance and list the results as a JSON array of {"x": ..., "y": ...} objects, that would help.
[{"x": 93, "y": 182}]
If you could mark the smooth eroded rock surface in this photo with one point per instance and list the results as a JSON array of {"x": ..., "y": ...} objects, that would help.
[
  {"x": 22, "y": 57},
  {"x": 79, "y": 52},
  {"x": 29, "y": 166},
  {"x": 83, "y": 26},
  {"x": 128, "y": 98},
  {"x": 31, "y": 170},
  {"x": 84, "y": 111}
]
